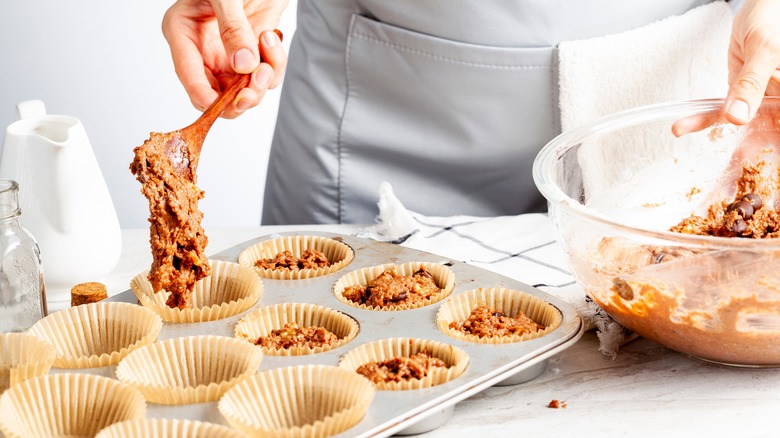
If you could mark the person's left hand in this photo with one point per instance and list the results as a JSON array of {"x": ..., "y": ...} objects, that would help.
[{"x": 753, "y": 63}]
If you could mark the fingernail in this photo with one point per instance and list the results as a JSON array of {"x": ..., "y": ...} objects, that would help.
[
  {"x": 243, "y": 105},
  {"x": 263, "y": 77},
  {"x": 244, "y": 61},
  {"x": 271, "y": 39},
  {"x": 739, "y": 109}
]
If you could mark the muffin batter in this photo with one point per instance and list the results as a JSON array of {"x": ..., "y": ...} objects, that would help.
[
  {"x": 391, "y": 288},
  {"x": 293, "y": 335},
  {"x": 401, "y": 368},
  {"x": 486, "y": 322}
]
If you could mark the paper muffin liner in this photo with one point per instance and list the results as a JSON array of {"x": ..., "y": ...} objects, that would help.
[
  {"x": 229, "y": 290},
  {"x": 23, "y": 357},
  {"x": 97, "y": 334},
  {"x": 300, "y": 401},
  {"x": 339, "y": 255},
  {"x": 74, "y": 405},
  {"x": 186, "y": 370},
  {"x": 508, "y": 301},
  {"x": 168, "y": 428},
  {"x": 443, "y": 276},
  {"x": 384, "y": 349},
  {"x": 263, "y": 321}
]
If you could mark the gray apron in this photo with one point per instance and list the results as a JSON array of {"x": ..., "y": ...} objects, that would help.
[{"x": 448, "y": 100}]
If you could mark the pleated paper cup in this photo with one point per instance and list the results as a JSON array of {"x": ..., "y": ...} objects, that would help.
[
  {"x": 508, "y": 301},
  {"x": 229, "y": 290},
  {"x": 97, "y": 334},
  {"x": 442, "y": 275},
  {"x": 300, "y": 401},
  {"x": 193, "y": 369},
  {"x": 67, "y": 405},
  {"x": 339, "y": 255},
  {"x": 23, "y": 357},
  {"x": 168, "y": 428},
  {"x": 263, "y": 321},
  {"x": 378, "y": 351}
]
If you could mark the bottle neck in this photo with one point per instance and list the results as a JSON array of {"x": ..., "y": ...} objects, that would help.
[{"x": 9, "y": 199}]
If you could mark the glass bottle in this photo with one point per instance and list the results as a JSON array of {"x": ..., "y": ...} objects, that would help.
[{"x": 22, "y": 290}]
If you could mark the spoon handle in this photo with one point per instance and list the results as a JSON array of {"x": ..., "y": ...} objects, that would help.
[{"x": 222, "y": 101}]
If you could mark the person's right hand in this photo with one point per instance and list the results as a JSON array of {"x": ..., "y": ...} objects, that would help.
[{"x": 212, "y": 41}]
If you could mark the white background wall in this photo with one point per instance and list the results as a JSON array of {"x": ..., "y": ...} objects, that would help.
[{"x": 107, "y": 63}]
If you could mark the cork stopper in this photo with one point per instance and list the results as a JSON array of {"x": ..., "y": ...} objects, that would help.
[{"x": 86, "y": 293}]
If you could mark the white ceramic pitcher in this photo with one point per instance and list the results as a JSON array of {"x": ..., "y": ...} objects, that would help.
[{"x": 63, "y": 197}]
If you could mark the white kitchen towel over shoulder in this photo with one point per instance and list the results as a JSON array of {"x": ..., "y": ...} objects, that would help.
[
  {"x": 519, "y": 247},
  {"x": 678, "y": 58}
]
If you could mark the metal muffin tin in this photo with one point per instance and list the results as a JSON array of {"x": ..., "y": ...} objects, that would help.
[{"x": 391, "y": 412}]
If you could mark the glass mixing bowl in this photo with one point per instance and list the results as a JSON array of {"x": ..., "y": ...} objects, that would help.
[{"x": 616, "y": 186}]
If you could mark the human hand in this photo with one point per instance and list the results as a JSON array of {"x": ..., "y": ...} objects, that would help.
[
  {"x": 753, "y": 63},
  {"x": 212, "y": 41}
]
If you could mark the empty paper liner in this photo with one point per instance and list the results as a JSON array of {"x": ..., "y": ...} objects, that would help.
[
  {"x": 456, "y": 361},
  {"x": 338, "y": 254},
  {"x": 229, "y": 290},
  {"x": 23, "y": 357},
  {"x": 188, "y": 370},
  {"x": 300, "y": 401},
  {"x": 168, "y": 428},
  {"x": 263, "y": 321},
  {"x": 67, "y": 405},
  {"x": 443, "y": 277},
  {"x": 97, "y": 334},
  {"x": 509, "y": 302}
]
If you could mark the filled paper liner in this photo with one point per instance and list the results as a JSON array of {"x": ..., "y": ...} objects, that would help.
[
  {"x": 168, "y": 428},
  {"x": 97, "y": 334},
  {"x": 188, "y": 370},
  {"x": 72, "y": 405},
  {"x": 339, "y": 255},
  {"x": 263, "y": 321},
  {"x": 507, "y": 301},
  {"x": 443, "y": 277},
  {"x": 229, "y": 290},
  {"x": 300, "y": 401},
  {"x": 456, "y": 359},
  {"x": 23, "y": 357}
]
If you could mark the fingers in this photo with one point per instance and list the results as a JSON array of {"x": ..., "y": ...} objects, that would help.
[
  {"x": 188, "y": 62},
  {"x": 695, "y": 123},
  {"x": 237, "y": 36},
  {"x": 747, "y": 89},
  {"x": 273, "y": 55},
  {"x": 269, "y": 74}
]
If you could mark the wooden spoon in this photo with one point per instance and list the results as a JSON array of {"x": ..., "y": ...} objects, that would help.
[{"x": 166, "y": 165}]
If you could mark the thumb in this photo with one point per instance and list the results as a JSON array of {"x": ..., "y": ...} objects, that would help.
[
  {"x": 748, "y": 88},
  {"x": 237, "y": 35}
]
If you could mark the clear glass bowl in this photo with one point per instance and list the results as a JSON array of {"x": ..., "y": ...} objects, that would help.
[{"x": 617, "y": 185}]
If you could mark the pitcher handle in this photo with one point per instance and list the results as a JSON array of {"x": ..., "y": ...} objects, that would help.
[{"x": 29, "y": 109}]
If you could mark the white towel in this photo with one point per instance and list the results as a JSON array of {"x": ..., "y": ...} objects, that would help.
[
  {"x": 678, "y": 58},
  {"x": 519, "y": 247}
]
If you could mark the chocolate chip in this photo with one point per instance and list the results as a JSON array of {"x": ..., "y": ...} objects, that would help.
[
  {"x": 367, "y": 292},
  {"x": 498, "y": 314},
  {"x": 400, "y": 297},
  {"x": 754, "y": 200},
  {"x": 743, "y": 208},
  {"x": 738, "y": 226}
]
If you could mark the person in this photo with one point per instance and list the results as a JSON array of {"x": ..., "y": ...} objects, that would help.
[{"x": 447, "y": 100}]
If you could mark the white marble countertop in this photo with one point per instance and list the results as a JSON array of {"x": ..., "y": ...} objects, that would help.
[{"x": 646, "y": 391}]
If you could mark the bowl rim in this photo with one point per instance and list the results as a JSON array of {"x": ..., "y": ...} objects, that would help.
[{"x": 545, "y": 161}]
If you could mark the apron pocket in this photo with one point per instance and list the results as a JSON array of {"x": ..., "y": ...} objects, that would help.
[{"x": 454, "y": 127}]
